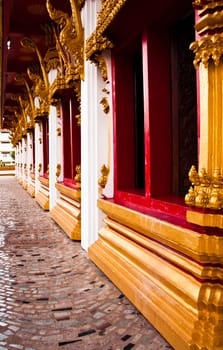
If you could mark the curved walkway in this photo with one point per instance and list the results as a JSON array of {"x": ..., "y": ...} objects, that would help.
[{"x": 51, "y": 295}]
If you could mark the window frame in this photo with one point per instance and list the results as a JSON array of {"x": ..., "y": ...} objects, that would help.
[{"x": 158, "y": 174}]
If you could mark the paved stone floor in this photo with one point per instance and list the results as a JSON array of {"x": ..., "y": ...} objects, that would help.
[{"x": 51, "y": 295}]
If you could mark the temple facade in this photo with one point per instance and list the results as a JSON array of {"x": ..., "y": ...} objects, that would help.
[{"x": 117, "y": 122}]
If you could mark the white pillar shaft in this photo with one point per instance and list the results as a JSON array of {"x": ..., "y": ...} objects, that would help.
[
  {"x": 54, "y": 154},
  {"x": 89, "y": 115}
]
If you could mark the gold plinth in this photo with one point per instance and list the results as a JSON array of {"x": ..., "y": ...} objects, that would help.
[
  {"x": 42, "y": 196},
  {"x": 43, "y": 199},
  {"x": 25, "y": 184},
  {"x": 67, "y": 212},
  {"x": 31, "y": 190},
  {"x": 160, "y": 268}
]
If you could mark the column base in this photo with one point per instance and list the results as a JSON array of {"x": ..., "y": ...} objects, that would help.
[{"x": 160, "y": 268}]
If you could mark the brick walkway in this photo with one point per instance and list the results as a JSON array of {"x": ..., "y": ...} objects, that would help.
[{"x": 51, "y": 295}]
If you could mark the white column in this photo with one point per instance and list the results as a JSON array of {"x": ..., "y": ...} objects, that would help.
[
  {"x": 53, "y": 155},
  {"x": 24, "y": 159},
  {"x": 105, "y": 128},
  {"x": 18, "y": 160},
  {"x": 29, "y": 156},
  {"x": 38, "y": 154},
  {"x": 55, "y": 146},
  {"x": 89, "y": 174}
]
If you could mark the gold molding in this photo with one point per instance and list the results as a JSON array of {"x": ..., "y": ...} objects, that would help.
[
  {"x": 205, "y": 219},
  {"x": 171, "y": 274},
  {"x": 68, "y": 191},
  {"x": 44, "y": 181},
  {"x": 200, "y": 247}
]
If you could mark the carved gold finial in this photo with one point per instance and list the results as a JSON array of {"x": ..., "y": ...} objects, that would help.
[{"x": 40, "y": 167}]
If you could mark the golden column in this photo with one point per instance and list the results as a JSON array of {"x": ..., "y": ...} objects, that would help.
[{"x": 207, "y": 184}]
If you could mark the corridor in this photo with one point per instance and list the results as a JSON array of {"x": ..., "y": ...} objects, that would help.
[{"x": 51, "y": 295}]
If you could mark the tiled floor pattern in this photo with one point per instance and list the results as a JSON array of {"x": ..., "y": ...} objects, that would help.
[{"x": 51, "y": 295}]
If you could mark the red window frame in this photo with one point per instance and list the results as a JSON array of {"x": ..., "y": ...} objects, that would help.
[
  {"x": 157, "y": 130},
  {"x": 45, "y": 126},
  {"x": 71, "y": 139}
]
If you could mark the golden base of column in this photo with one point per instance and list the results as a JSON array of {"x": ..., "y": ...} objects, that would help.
[
  {"x": 205, "y": 219},
  {"x": 25, "y": 185},
  {"x": 160, "y": 268},
  {"x": 42, "y": 196},
  {"x": 67, "y": 211},
  {"x": 43, "y": 200},
  {"x": 31, "y": 190}
]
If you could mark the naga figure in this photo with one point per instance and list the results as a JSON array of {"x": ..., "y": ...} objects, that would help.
[
  {"x": 40, "y": 90},
  {"x": 70, "y": 42}
]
